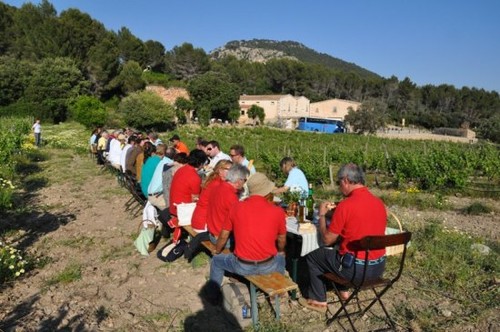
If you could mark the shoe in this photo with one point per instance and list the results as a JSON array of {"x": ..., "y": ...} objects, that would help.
[{"x": 313, "y": 305}]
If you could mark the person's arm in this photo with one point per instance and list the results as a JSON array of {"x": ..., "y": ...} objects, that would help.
[
  {"x": 221, "y": 241},
  {"x": 281, "y": 243},
  {"x": 327, "y": 237},
  {"x": 281, "y": 190}
]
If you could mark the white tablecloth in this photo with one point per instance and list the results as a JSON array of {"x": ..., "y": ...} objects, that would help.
[{"x": 310, "y": 235}]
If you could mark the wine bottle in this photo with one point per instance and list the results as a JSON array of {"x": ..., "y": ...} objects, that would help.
[{"x": 310, "y": 204}]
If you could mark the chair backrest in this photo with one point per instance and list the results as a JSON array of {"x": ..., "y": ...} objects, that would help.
[{"x": 382, "y": 241}]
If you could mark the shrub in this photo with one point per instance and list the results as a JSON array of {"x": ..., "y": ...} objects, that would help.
[
  {"x": 89, "y": 111},
  {"x": 145, "y": 110}
]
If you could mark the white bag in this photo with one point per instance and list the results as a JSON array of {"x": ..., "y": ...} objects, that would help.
[{"x": 185, "y": 213}]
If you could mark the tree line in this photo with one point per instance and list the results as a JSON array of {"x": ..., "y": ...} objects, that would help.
[{"x": 47, "y": 61}]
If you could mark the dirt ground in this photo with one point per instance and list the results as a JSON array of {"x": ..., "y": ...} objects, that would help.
[{"x": 78, "y": 219}]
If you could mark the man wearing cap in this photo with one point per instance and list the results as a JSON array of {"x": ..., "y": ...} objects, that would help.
[
  {"x": 179, "y": 146},
  {"x": 259, "y": 241}
]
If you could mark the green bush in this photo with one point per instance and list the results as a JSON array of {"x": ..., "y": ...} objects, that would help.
[
  {"x": 89, "y": 111},
  {"x": 146, "y": 110}
]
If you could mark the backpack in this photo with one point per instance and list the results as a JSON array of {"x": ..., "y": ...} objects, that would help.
[{"x": 236, "y": 300}]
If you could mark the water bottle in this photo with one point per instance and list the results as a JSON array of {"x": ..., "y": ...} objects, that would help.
[{"x": 245, "y": 311}]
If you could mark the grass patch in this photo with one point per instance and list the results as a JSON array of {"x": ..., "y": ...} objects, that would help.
[
  {"x": 80, "y": 242},
  {"x": 200, "y": 260},
  {"x": 72, "y": 272},
  {"x": 417, "y": 200},
  {"x": 442, "y": 262},
  {"x": 476, "y": 209},
  {"x": 114, "y": 253}
]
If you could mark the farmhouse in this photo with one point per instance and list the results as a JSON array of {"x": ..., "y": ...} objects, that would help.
[
  {"x": 283, "y": 108},
  {"x": 276, "y": 107},
  {"x": 332, "y": 108}
]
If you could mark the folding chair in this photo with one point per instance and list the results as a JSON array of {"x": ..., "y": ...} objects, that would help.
[{"x": 379, "y": 286}]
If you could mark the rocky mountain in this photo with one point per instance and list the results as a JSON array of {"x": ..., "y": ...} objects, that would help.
[{"x": 262, "y": 50}]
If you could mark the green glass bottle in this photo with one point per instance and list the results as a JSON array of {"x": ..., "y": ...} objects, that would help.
[{"x": 310, "y": 204}]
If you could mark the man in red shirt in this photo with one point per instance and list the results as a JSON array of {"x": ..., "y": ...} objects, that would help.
[
  {"x": 260, "y": 238},
  {"x": 179, "y": 146},
  {"x": 226, "y": 197},
  {"x": 359, "y": 215}
]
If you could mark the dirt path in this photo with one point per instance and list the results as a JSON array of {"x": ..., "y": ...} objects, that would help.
[{"x": 78, "y": 223}]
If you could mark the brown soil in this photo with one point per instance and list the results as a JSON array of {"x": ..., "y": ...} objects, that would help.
[{"x": 80, "y": 220}]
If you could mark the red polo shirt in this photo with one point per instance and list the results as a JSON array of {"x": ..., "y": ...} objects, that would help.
[
  {"x": 199, "y": 220},
  {"x": 359, "y": 215},
  {"x": 224, "y": 198},
  {"x": 185, "y": 183},
  {"x": 256, "y": 224}
]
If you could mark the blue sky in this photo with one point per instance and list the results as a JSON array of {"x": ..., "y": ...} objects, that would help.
[{"x": 430, "y": 41}]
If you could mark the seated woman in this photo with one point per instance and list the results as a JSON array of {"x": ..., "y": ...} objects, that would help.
[{"x": 199, "y": 220}]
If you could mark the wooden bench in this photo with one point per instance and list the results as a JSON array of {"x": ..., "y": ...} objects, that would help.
[
  {"x": 207, "y": 244},
  {"x": 273, "y": 285}
]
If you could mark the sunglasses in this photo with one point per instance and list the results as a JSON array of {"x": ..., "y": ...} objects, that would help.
[
  {"x": 209, "y": 149},
  {"x": 233, "y": 155}
]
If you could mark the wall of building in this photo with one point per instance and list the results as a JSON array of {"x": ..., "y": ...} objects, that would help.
[{"x": 332, "y": 108}]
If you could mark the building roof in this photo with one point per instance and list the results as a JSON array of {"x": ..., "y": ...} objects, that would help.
[{"x": 261, "y": 97}]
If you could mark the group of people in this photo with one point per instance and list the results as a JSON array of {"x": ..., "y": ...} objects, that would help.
[{"x": 236, "y": 209}]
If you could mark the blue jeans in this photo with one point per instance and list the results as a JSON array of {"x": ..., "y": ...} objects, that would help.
[
  {"x": 229, "y": 263},
  {"x": 328, "y": 260}
]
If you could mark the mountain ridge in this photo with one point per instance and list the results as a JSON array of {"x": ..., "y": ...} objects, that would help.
[{"x": 263, "y": 50}]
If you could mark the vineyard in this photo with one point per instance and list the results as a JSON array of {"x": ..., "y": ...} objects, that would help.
[
  {"x": 424, "y": 164},
  {"x": 62, "y": 252}
]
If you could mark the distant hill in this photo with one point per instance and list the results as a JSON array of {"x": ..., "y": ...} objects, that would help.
[{"x": 262, "y": 50}]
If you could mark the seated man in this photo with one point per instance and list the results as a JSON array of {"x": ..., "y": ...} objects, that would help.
[
  {"x": 155, "y": 188},
  {"x": 295, "y": 177},
  {"x": 237, "y": 154},
  {"x": 359, "y": 215},
  {"x": 226, "y": 196},
  {"x": 215, "y": 154},
  {"x": 259, "y": 241},
  {"x": 179, "y": 146}
]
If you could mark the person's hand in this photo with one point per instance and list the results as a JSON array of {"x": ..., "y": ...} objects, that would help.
[{"x": 325, "y": 207}]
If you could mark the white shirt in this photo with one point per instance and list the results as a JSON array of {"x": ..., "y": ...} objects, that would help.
[
  {"x": 219, "y": 156},
  {"x": 115, "y": 151},
  {"x": 123, "y": 157},
  {"x": 37, "y": 128}
]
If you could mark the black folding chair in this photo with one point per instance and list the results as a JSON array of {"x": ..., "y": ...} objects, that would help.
[{"x": 379, "y": 287}]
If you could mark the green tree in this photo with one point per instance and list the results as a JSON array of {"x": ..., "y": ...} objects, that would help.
[
  {"x": 54, "y": 82},
  {"x": 89, "y": 111},
  {"x": 146, "y": 110},
  {"x": 187, "y": 62},
  {"x": 131, "y": 48},
  {"x": 14, "y": 76},
  {"x": 204, "y": 116},
  {"x": 154, "y": 55},
  {"x": 36, "y": 31},
  {"x": 184, "y": 107},
  {"x": 103, "y": 66},
  {"x": 79, "y": 33},
  {"x": 215, "y": 92},
  {"x": 130, "y": 78},
  {"x": 370, "y": 116},
  {"x": 255, "y": 112}
]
